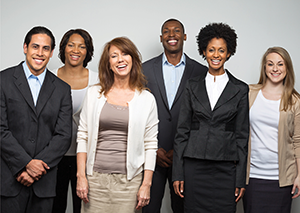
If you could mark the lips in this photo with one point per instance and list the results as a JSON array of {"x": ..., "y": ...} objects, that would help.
[
  {"x": 215, "y": 62},
  {"x": 275, "y": 74},
  {"x": 172, "y": 42},
  {"x": 75, "y": 57},
  {"x": 121, "y": 67},
  {"x": 38, "y": 61}
]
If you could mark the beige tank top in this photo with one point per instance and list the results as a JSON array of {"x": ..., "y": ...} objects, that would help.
[{"x": 112, "y": 140}]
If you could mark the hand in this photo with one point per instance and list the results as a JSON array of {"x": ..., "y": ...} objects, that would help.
[
  {"x": 143, "y": 196},
  {"x": 82, "y": 189},
  {"x": 36, "y": 168},
  {"x": 25, "y": 179},
  {"x": 161, "y": 158},
  {"x": 170, "y": 155},
  {"x": 178, "y": 188},
  {"x": 239, "y": 193},
  {"x": 296, "y": 185}
]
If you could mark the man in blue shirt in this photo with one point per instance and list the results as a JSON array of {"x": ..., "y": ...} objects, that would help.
[
  {"x": 167, "y": 75},
  {"x": 35, "y": 127}
]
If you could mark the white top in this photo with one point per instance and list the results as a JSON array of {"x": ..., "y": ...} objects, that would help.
[
  {"x": 77, "y": 99},
  {"x": 142, "y": 130},
  {"x": 215, "y": 86},
  {"x": 264, "y": 119}
]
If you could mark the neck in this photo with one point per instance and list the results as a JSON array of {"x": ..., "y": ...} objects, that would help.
[
  {"x": 174, "y": 58},
  {"x": 121, "y": 83},
  {"x": 73, "y": 71},
  {"x": 216, "y": 72},
  {"x": 273, "y": 88}
]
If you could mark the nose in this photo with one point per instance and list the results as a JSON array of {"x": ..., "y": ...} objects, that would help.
[
  {"x": 40, "y": 51},
  {"x": 215, "y": 54},
  {"x": 275, "y": 68},
  {"x": 171, "y": 33},
  {"x": 120, "y": 58},
  {"x": 76, "y": 49}
]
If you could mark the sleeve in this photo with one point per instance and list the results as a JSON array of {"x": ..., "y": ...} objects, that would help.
[
  {"x": 150, "y": 138},
  {"x": 82, "y": 134},
  {"x": 182, "y": 135},
  {"x": 296, "y": 136},
  {"x": 12, "y": 153},
  {"x": 242, "y": 137}
]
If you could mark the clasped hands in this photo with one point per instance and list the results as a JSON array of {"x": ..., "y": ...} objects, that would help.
[{"x": 34, "y": 170}]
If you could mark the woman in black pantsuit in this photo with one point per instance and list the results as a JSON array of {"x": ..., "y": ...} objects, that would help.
[{"x": 210, "y": 150}]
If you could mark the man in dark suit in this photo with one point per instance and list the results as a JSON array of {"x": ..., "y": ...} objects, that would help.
[
  {"x": 35, "y": 128},
  {"x": 167, "y": 75}
]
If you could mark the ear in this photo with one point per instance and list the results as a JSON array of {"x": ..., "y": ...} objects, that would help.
[
  {"x": 25, "y": 48},
  {"x": 204, "y": 53},
  {"x": 160, "y": 38},
  {"x": 228, "y": 55},
  {"x": 51, "y": 53},
  {"x": 184, "y": 37}
]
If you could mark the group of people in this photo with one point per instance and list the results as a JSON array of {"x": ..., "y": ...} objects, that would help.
[{"x": 119, "y": 135}]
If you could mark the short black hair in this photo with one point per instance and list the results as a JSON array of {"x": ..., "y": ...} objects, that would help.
[
  {"x": 217, "y": 30},
  {"x": 87, "y": 40},
  {"x": 172, "y": 19},
  {"x": 39, "y": 30}
]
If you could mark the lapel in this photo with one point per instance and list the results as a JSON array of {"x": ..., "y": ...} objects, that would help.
[
  {"x": 22, "y": 84},
  {"x": 199, "y": 90},
  {"x": 189, "y": 67},
  {"x": 228, "y": 93},
  {"x": 45, "y": 92},
  {"x": 157, "y": 67}
]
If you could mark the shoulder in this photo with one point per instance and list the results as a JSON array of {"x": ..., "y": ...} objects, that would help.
[
  {"x": 152, "y": 61},
  {"x": 239, "y": 83},
  {"x": 255, "y": 87},
  {"x": 194, "y": 62},
  {"x": 54, "y": 71},
  {"x": 9, "y": 71},
  {"x": 145, "y": 95},
  {"x": 93, "y": 77},
  {"x": 56, "y": 80}
]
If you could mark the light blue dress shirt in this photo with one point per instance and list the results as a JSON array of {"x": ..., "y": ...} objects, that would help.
[
  {"x": 35, "y": 82},
  {"x": 172, "y": 77}
]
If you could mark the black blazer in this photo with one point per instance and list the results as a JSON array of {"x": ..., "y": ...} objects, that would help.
[
  {"x": 219, "y": 134},
  {"x": 33, "y": 132},
  {"x": 168, "y": 118}
]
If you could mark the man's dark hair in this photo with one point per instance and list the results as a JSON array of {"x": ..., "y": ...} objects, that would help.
[{"x": 39, "y": 30}]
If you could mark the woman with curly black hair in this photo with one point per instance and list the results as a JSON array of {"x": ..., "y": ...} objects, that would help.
[{"x": 210, "y": 150}]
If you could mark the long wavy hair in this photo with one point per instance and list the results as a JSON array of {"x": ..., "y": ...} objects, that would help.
[
  {"x": 289, "y": 81},
  {"x": 137, "y": 79}
]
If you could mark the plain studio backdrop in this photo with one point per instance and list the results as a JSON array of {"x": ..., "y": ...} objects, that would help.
[{"x": 259, "y": 24}]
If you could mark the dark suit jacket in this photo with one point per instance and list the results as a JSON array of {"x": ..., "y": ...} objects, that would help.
[
  {"x": 168, "y": 118},
  {"x": 218, "y": 134},
  {"x": 33, "y": 132}
]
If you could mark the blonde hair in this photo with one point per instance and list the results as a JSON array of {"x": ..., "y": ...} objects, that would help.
[
  {"x": 106, "y": 76},
  {"x": 289, "y": 81}
]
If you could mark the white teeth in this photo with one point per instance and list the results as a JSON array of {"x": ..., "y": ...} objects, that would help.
[
  {"x": 274, "y": 74},
  {"x": 38, "y": 60},
  {"x": 74, "y": 56},
  {"x": 122, "y": 66},
  {"x": 172, "y": 41}
]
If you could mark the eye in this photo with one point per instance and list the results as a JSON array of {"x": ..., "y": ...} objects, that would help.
[
  {"x": 35, "y": 46},
  {"x": 47, "y": 48},
  {"x": 70, "y": 45},
  {"x": 281, "y": 64},
  {"x": 82, "y": 47},
  {"x": 269, "y": 64},
  {"x": 211, "y": 50},
  {"x": 177, "y": 31},
  {"x": 165, "y": 31}
]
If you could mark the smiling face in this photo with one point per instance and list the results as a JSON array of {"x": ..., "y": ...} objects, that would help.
[
  {"x": 216, "y": 54},
  {"x": 75, "y": 51},
  {"x": 120, "y": 62},
  {"x": 38, "y": 53},
  {"x": 172, "y": 37},
  {"x": 275, "y": 68}
]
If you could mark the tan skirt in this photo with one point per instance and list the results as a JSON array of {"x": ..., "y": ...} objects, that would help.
[{"x": 112, "y": 193}]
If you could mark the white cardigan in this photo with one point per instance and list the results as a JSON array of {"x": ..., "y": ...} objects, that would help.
[{"x": 142, "y": 130}]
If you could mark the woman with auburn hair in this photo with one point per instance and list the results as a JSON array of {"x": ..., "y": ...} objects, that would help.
[
  {"x": 117, "y": 135},
  {"x": 75, "y": 51},
  {"x": 273, "y": 169}
]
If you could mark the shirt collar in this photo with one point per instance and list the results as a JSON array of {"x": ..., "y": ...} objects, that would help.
[
  {"x": 165, "y": 60},
  {"x": 210, "y": 77},
  {"x": 27, "y": 72}
]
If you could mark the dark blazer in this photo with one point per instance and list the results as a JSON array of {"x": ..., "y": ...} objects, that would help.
[
  {"x": 168, "y": 118},
  {"x": 33, "y": 132},
  {"x": 218, "y": 134}
]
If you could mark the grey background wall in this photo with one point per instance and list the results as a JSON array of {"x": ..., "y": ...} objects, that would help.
[{"x": 258, "y": 23}]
